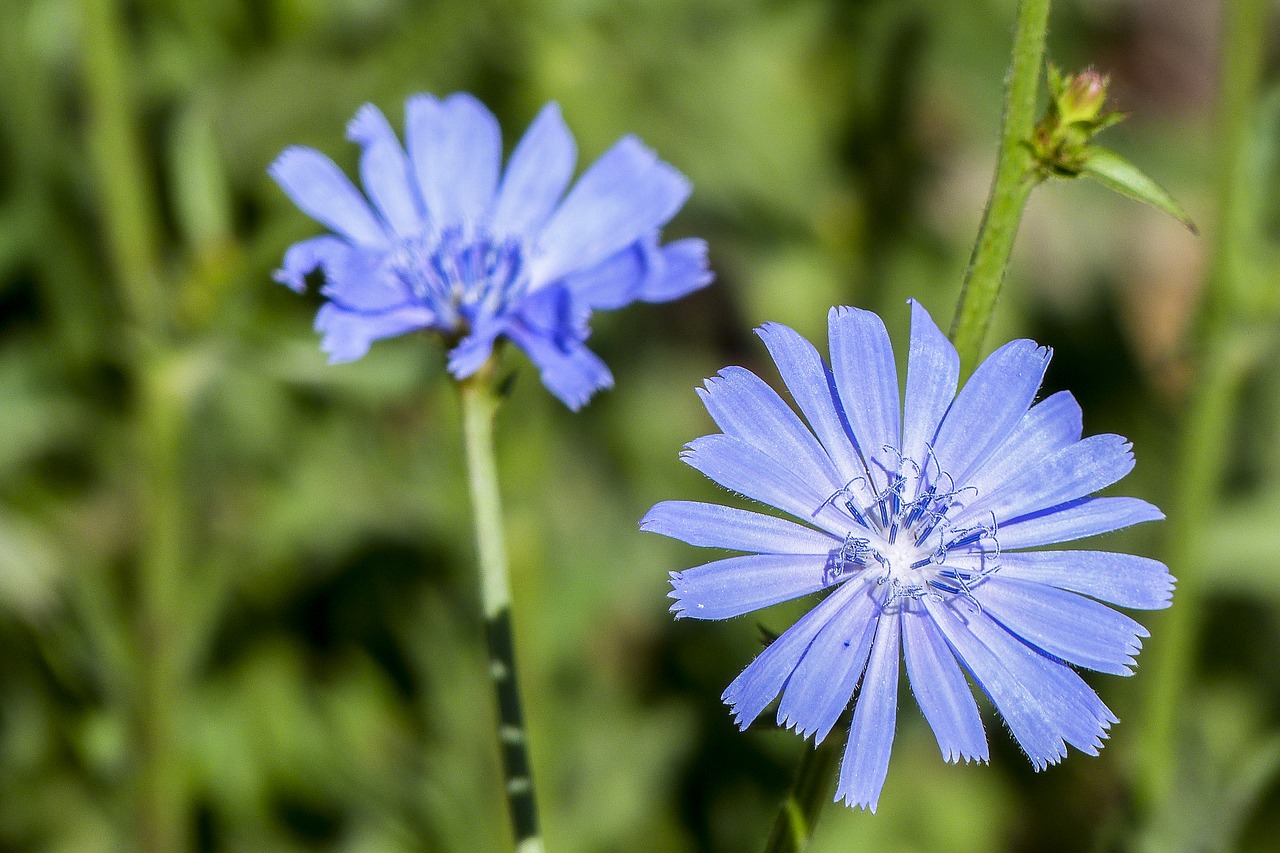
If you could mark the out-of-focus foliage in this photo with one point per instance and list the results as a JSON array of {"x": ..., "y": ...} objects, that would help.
[{"x": 329, "y": 687}]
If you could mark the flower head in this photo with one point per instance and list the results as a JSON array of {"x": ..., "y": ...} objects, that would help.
[
  {"x": 914, "y": 520},
  {"x": 451, "y": 245}
]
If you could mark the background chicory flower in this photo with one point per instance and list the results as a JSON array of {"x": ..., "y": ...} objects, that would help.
[{"x": 451, "y": 245}]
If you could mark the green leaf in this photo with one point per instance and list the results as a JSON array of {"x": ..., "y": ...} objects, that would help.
[{"x": 1115, "y": 172}]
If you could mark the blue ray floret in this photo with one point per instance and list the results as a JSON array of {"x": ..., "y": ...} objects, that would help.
[
  {"x": 453, "y": 244},
  {"x": 913, "y": 520}
]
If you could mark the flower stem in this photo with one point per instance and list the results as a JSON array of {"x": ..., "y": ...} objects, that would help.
[
  {"x": 1015, "y": 177},
  {"x": 129, "y": 212},
  {"x": 480, "y": 401},
  {"x": 1225, "y": 356},
  {"x": 160, "y": 673},
  {"x": 130, "y": 223},
  {"x": 794, "y": 823}
]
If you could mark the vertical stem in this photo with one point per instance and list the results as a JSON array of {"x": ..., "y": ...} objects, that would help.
[
  {"x": 130, "y": 225},
  {"x": 794, "y": 823},
  {"x": 160, "y": 679},
  {"x": 1202, "y": 454},
  {"x": 128, "y": 207},
  {"x": 1014, "y": 179},
  {"x": 480, "y": 401}
]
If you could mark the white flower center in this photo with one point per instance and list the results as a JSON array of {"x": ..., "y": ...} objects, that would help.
[{"x": 904, "y": 536}]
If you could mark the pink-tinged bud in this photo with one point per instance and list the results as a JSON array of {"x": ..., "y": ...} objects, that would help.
[{"x": 1082, "y": 97}]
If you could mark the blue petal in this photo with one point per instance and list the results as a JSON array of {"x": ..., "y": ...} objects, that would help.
[
  {"x": 715, "y": 526},
  {"x": 568, "y": 369},
  {"x": 1122, "y": 579},
  {"x": 1043, "y": 701},
  {"x": 323, "y": 192},
  {"x": 682, "y": 271},
  {"x": 615, "y": 281},
  {"x": 758, "y": 684},
  {"x": 933, "y": 369},
  {"x": 474, "y": 350},
  {"x": 384, "y": 171},
  {"x": 743, "y": 406},
  {"x": 304, "y": 257},
  {"x": 1015, "y": 700},
  {"x": 1070, "y": 627},
  {"x": 348, "y": 334},
  {"x": 625, "y": 195},
  {"x": 556, "y": 313},
  {"x": 989, "y": 406},
  {"x": 1073, "y": 472},
  {"x": 862, "y": 361},
  {"x": 739, "y": 585},
  {"x": 1076, "y": 520},
  {"x": 1050, "y": 425},
  {"x": 358, "y": 281},
  {"x": 455, "y": 146},
  {"x": 536, "y": 176},
  {"x": 941, "y": 690},
  {"x": 813, "y": 388},
  {"x": 741, "y": 468},
  {"x": 820, "y": 688},
  {"x": 875, "y": 715},
  {"x": 642, "y": 271},
  {"x": 1065, "y": 698}
]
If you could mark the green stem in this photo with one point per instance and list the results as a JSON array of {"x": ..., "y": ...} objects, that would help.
[
  {"x": 131, "y": 232},
  {"x": 1202, "y": 455},
  {"x": 161, "y": 788},
  {"x": 1015, "y": 177},
  {"x": 480, "y": 401},
  {"x": 128, "y": 206},
  {"x": 796, "y": 818}
]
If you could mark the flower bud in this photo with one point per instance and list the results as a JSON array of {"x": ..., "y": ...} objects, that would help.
[{"x": 1081, "y": 97}]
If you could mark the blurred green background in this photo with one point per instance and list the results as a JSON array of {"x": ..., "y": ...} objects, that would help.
[{"x": 236, "y": 583}]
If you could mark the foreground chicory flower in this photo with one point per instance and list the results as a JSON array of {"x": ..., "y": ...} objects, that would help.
[
  {"x": 914, "y": 520},
  {"x": 451, "y": 246}
]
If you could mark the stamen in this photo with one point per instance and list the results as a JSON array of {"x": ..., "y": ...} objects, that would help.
[
  {"x": 912, "y": 571},
  {"x": 848, "y": 498},
  {"x": 915, "y": 509},
  {"x": 936, "y": 519},
  {"x": 902, "y": 460},
  {"x": 971, "y": 536},
  {"x": 461, "y": 278},
  {"x": 852, "y": 552},
  {"x": 857, "y": 516},
  {"x": 977, "y": 533}
]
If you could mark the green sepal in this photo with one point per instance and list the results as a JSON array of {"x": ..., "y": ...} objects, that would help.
[
  {"x": 1115, "y": 172},
  {"x": 1055, "y": 80}
]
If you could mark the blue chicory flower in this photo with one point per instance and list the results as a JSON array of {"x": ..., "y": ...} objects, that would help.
[
  {"x": 916, "y": 518},
  {"x": 451, "y": 246}
]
